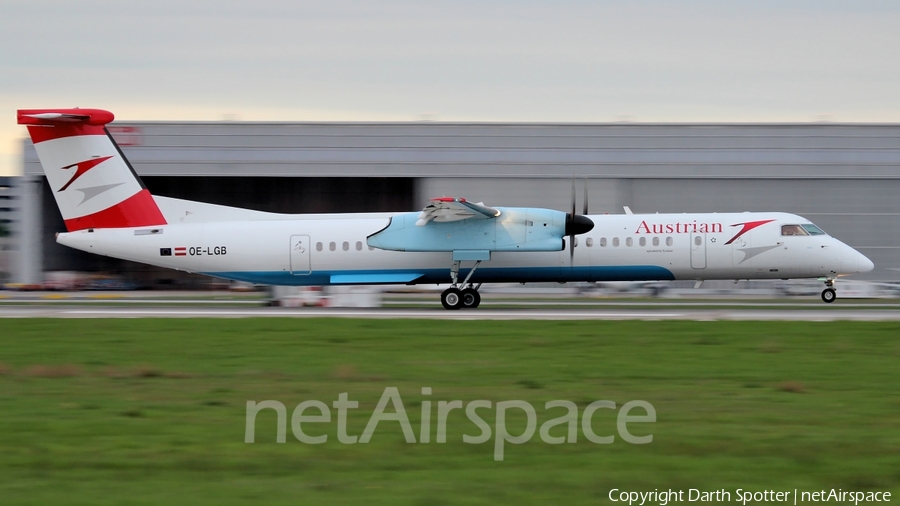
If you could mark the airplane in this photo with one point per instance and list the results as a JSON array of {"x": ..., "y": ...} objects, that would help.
[{"x": 108, "y": 211}]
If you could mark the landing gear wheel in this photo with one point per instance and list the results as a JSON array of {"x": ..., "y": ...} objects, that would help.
[
  {"x": 470, "y": 298},
  {"x": 451, "y": 299},
  {"x": 828, "y": 295}
]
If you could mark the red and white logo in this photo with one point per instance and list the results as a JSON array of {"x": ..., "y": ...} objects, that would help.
[
  {"x": 747, "y": 226},
  {"x": 81, "y": 168}
]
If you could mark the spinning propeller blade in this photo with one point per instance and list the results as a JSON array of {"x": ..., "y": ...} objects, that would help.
[{"x": 576, "y": 223}]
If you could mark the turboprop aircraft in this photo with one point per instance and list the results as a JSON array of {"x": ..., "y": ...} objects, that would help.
[{"x": 108, "y": 211}]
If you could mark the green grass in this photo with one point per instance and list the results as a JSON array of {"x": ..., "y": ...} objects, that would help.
[{"x": 150, "y": 411}]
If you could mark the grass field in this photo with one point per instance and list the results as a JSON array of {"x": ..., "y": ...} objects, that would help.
[{"x": 153, "y": 411}]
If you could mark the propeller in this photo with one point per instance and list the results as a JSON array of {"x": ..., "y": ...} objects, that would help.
[{"x": 577, "y": 223}]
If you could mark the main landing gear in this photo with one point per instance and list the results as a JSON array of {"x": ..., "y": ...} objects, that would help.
[
  {"x": 828, "y": 294},
  {"x": 465, "y": 298}
]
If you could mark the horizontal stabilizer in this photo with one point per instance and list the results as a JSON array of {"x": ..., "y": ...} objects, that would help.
[{"x": 54, "y": 116}]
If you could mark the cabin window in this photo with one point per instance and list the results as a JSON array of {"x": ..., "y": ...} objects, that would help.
[
  {"x": 642, "y": 241},
  {"x": 603, "y": 242},
  {"x": 615, "y": 242},
  {"x": 668, "y": 241},
  {"x": 698, "y": 241},
  {"x": 318, "y": 246},
  {"x": 345, "y": 246},
  {"x": 358, "y": 245},
  {"x": 589, "y": 242},
  {"x": 812, "y": 229},
  {"x": 332, "y": 246},
  {"x": 574, "y": 241},
  {"x": 371, "y": 248},
  {"x": 629, "y": 241},
  {"x": 792, "y": 230},
  {"x": 656, "y": 241}
]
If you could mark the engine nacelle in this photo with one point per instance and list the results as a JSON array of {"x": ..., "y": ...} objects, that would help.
[{"x": 516, "y": 229}]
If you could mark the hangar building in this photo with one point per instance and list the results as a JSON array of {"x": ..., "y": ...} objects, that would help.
[
  {"x": 843, "y": 177},
  {"x": 7, "y": 211}
]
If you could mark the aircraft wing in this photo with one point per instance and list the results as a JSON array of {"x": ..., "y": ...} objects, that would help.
[{"x": 444, "y": 209}]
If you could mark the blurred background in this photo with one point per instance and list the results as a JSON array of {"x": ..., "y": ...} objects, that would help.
[{"x": 843, "y": 177}]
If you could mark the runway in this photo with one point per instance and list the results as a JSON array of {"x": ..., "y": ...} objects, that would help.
[{"x": 686, "y": 313}]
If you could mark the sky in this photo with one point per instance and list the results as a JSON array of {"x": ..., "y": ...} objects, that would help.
[{"x": 485, "y": 60}]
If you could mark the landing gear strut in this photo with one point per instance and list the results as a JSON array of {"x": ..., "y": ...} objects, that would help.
[
  {"x": 829, "y": 294},
  {"x": 456, "y": 298}
]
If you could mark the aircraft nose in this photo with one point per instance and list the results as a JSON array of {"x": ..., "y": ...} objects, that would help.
[{"x": 865, "y": 265}]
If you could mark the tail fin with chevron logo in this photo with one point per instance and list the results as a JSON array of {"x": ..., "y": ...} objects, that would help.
[{"x": 92, "y": 181}]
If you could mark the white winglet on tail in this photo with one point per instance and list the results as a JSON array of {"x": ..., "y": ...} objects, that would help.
[{"x": 93, "y": 183}]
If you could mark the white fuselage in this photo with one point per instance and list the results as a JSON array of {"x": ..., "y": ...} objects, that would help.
[
  {"x": 332, "y": 249},
  {"x": 109, "y": 211}
]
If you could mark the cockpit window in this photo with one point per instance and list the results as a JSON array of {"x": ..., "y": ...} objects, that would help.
[
  {"x": 813, "y": 230},
  {"x": 793, "y": 230}
]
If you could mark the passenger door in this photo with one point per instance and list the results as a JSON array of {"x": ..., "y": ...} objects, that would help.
[
  {"x": 300, "y": 246},
  {"x": 698, "y": 251}
]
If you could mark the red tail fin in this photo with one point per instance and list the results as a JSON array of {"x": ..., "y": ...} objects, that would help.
[{"x": 92, "y": 181}]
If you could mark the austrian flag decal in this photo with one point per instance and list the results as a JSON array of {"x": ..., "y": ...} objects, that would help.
[{"x": 181, "y": 251}]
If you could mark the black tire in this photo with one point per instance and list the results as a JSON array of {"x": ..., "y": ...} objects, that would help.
[
  {"x": 470, "y": 298},
  {"x": 451, "y": 299},
  {"x": 829, "y": 295}
]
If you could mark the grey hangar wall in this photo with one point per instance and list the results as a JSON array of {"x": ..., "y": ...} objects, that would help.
[{"x": 843, "y": 177}]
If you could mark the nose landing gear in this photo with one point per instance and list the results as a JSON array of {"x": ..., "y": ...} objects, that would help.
[
  {"x": 466, "y": 298},
  {"x": 829, "y": 294}
]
